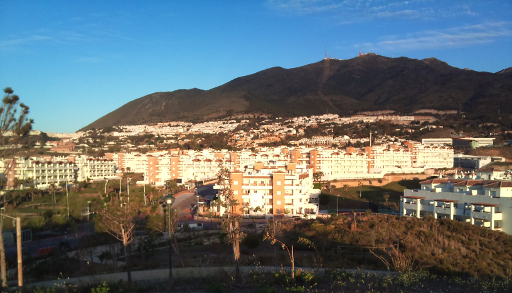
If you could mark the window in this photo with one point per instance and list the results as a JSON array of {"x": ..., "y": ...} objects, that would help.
[
  {"x": 278, "y": 183},
  {"x": 235, "y": 192},
  {"x": 279, "y": 193},
  {"x": 235, "y": 182},
  {"x": 278, "y": 202}
]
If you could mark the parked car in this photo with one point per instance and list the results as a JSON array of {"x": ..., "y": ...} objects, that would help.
[{"x": 261, "y": 225}]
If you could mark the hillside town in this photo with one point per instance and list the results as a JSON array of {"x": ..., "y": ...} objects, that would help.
[
  {"x": 283, "y": 174},
  {"x": 274, "y": 146}
]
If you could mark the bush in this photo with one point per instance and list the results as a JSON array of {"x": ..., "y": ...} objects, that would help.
[
  {"x": 215, "y": 287},
  {"x": 252, "y": 241},
  {"x": 48, "y": 214}
]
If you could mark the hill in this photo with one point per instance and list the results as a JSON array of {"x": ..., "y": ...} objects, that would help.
[{"x": 365, "y": 83}]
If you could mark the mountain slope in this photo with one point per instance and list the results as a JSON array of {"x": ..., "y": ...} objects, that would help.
[{"x": 368, "y": 82}]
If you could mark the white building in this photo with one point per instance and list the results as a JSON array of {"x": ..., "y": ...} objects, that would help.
[{"x": 479, "y": 202}]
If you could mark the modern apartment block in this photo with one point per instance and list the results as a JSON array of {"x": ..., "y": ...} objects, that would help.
[
  {"x": 351, "y": 163},
  {"x": 275, "y": 190},
  {"x": 94, "y": 168},
  {"x": 47, "y": 170},
  {"x": 485, "y": 203}
]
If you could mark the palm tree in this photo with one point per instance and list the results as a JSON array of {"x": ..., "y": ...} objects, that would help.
[{"x": 386, "y": 197}]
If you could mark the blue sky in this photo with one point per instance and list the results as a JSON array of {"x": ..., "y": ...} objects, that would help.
[{"x": 74, "y": 61}]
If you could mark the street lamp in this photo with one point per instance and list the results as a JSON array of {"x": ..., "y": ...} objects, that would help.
[
  {"x": 170, "y": 201},
  {"x": 128, "y": 187},
  {"x": 67, "y": 198},
  {"x": 197, "y": 204},
  {"x": 88, "y": 210},
  {"x": 18, "y": 244}
]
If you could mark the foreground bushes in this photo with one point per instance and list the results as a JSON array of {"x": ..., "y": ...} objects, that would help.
[{"x": 308, "y": 281}]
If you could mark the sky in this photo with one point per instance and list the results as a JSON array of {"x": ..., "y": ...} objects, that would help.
[{"x": 73, "y": 62}]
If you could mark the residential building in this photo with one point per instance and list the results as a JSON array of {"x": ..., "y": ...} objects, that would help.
[
  {"x": 274, "y": 190},
  {"x": 485, "y": 203},
  {"x": 47, "y": 170}
]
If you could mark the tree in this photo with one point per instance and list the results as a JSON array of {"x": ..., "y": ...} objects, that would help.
[
  {"x": 386, "y": 197},
  {"x": 14, "y": 125},
  {"x": 118, "y": 220},
  {"x": 231, "y": 219},
  {"x": 155, "y": 224},
  {"x": 274, "y": 230},
  {"x": 318, "y": 175},
  {"x": 171, "y": 185},
  {"x": 52, "y": 190}
]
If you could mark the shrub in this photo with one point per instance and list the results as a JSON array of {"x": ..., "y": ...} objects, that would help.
[{"x": 215, "y": 287}]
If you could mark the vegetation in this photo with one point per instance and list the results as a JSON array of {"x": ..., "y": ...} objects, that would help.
[
  {"x": 432, "y": 255},
  {"x": 14, "y": 126}
]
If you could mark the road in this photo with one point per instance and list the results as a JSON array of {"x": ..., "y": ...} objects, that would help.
[
  {"x": 183, "y": 204},
  {"x": 33, "y": 246}
]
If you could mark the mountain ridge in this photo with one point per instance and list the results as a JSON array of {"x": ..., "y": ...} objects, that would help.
[{"x": 364, "y": 83}]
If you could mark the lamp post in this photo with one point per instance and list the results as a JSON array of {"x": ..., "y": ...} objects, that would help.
[
  {"x": 128, "y": 187},
  {"x": 170, "y": 200},
  {"x": 88, "y": 210},
  {"x": 197, "y": 198},
  {"x": 67, "y": 198},
  {"x": 144, "y": 195},
  {"x": 18, "y": 246}
]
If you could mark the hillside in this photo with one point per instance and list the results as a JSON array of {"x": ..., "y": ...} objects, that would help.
[{"x": 365, "y": 83}]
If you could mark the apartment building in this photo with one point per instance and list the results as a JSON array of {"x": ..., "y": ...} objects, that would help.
[
  {"x": 351, "y": 163},
  {"x": 274, "y": 190},
  {"x": 94, "y": 168},
  {"x": 478, "y": 141},
  {"x": 485, "y": 203},
  {"x": 424, "y": 156},
  {"x": 42, "y": 170},
  {"x": 47, "y": 170}
]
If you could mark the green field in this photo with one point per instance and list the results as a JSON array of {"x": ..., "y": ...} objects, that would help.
[{"x": 372, "y": 193}]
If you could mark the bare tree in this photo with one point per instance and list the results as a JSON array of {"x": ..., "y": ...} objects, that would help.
[
  {"x": 13, "y": 126},
  {"x": 118, "y": 219},
  {"x": 273, "y": 231},
  {"x": 231, "y": 219}
]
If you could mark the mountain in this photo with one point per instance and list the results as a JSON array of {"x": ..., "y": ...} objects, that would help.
[{"x": 364, "y": 83}]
